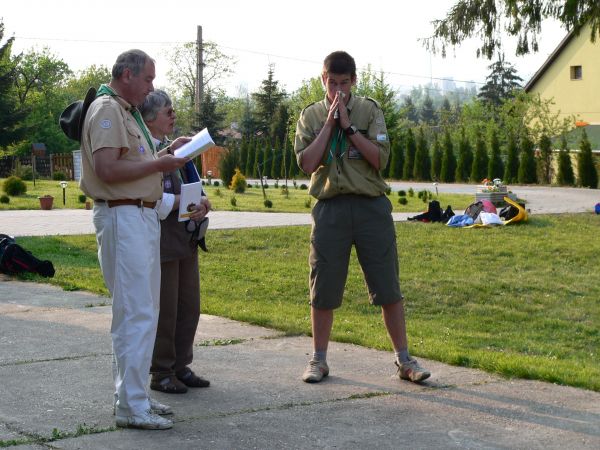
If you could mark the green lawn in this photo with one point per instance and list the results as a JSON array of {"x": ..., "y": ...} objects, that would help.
[
  {"x": 521, "y": 301},
  {"x": 297, "y": 199}
]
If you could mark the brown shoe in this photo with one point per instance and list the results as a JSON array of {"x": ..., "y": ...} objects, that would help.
[
  {"x": 190, "y": 379},
  {"x": 168, "y": 385}
]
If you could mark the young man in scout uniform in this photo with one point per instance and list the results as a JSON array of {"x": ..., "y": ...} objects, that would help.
[
  {"x": 121, "y": 171},
  {"x": 342, "y": 142}
]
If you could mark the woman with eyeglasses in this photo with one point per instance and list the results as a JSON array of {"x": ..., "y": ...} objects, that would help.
[{"x": 180, "y": 280}]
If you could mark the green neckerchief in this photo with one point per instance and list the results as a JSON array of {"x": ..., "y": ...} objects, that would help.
[
  {"x": 339, "y": 137},
  {"x": 106, "y": 90}
]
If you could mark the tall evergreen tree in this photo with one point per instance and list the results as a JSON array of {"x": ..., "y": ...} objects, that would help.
[
  {"x": 268, "y": 99},
  {"x": 409, "y": 160},
  {"x": 479, "y": 167},
  {"x": 448, "y": 170},
  {"x": 527, "y": 171},
  {"x": 427, "y": 111},
  {"x": 397, "y": 159},
  {"x": 545, "y": 159},
  {"x": 436, "y": 159},
  {"x": 465, "y": 158},
  {"x": 209, "y": 116},
  {"x": 409, "y": 110},
  {"x": 422, "y": 164},
  {"x": 587, "y": 175},
  {"x": 243, "y": 156},
  {"x": 276, "y": 162},
  {"x": 500, "y": 84},
  {"x": 279, "y": 126},
  {"x": 511, "y": 169},
  {"x": 495, "y": 165},
  {"x": 565, "y": 175}
]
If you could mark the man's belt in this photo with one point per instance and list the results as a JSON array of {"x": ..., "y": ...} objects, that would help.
[{"x": 137, "y": 202}]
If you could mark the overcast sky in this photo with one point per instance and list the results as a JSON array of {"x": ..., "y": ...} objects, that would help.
[{"x": 295, "y": 36}]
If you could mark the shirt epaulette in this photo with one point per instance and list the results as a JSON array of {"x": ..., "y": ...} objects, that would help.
[
  {"x": 374, "y": 101},
  {"x": 307, "y": 106}
]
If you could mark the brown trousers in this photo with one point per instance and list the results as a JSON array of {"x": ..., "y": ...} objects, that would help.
[{"x": 178, "y": 318}]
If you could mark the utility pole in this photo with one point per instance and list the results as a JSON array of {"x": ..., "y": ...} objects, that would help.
[{"x": 199, "y": 77}]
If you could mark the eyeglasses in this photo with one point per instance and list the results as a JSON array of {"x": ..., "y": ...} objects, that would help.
[{"x": 168, "y": 112}]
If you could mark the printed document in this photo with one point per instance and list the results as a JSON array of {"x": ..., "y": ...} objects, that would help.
[
  {"x": 199, "y": 144},
  {"x": 191, "y": 195}
]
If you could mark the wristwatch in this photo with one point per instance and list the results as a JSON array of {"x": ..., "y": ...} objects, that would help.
[{"x": 351, "y": 130}]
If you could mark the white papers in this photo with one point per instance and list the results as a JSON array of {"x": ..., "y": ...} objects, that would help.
[
  {"x": 191, "y": 195},
  {"x": 199, "y": 144}
]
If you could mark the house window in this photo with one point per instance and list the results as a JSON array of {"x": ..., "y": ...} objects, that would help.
[{"x": 576, "y": 73}]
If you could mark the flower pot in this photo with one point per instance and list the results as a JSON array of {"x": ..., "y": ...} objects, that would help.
[
  {"x": 88, "y": 204},
  {"x": 46, "y": 201}
]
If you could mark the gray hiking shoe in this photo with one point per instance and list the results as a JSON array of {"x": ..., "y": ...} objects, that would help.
[
  {"x": 315, "y": 371},
  {"x": 411, "y": 371},
  {"x": 159, "y": 408},
  {"x": 144, "y": 421}
]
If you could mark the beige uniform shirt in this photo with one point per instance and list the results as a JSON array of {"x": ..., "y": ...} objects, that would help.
[
  {"x": 354, "y": 175},
  {"x": 109, "y": 123}
]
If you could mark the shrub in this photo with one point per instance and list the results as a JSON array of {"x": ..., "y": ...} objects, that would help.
[
  {"x": 238, "y": 182},
  {"x": 249, "y": 186},
  {"x": 216, "y": 183},
  {"x": 233, "y": 200},
  {"x": 403, "y": 200},
  {"x": 59, "y": 176},
  {"x": 14, "y": 186},
  {"x": 411, "y": 192},
  {"x": 276, "y": 184},
  {"x": 307, "y": 202},
  {"x": 303, "y": 187},
  {"x": 285, "y": 192},
  {"x": 23, "y": 172},
  {"x": 388, "y": 190},
  {"x": 268, "y": 203},
  {"x": 401, "y": 193},
  {"x": 4, "y": 199},
  {"x": 82, "y": 198}
]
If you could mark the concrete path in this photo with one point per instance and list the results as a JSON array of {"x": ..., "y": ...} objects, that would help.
[
  {"x": 55, "y": 367},
  {"x": 55, "y": 354}
]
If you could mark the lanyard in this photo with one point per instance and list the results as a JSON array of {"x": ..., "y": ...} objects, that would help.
[
  {"x": 106, "y": 90},
  {"x": 339, "y": 137}
]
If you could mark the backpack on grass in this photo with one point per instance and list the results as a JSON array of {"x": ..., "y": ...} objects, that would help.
[{"x": 15, "y": 259}]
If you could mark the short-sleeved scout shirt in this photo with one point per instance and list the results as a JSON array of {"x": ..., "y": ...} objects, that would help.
[
  {"x": 109, "y": 123},
  {"x": 354, "y": 175}
]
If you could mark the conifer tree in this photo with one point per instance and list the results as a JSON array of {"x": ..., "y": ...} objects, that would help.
[
  {"x": 465, "y": 158},
  {"x": 587, "y": 175},
  {"x": 527, "y": 171},
  {"x": 565, "y": 175},
  {"x": 277, "y": 157},
  {"x": 409, "y": 160},
  {"x": 243, "y": 155},
  {"x": 422, "y": 164},
  {"x": 495, "y": 166},
  {"x": 545, "y": 159},
  {"x": 448, "y": 170},
  {"x": 511, "y": 170},
  {"x": 249, "y": 172},
  {"x": 436, "y": 159},
  {"x": 397, "y": 159},
  {"x": 479, "y": 167}
]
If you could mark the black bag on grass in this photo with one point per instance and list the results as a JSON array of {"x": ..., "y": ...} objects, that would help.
[{"x": 15, "y": 259}]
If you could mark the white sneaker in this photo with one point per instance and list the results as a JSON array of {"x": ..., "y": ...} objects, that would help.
[
  {"x": 315, "y": 371},
  {"x": 159, "y": 408},
  {"x": 145, "y": 421}
]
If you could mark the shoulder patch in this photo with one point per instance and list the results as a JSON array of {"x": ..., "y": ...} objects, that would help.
[{"x": 374, "y": 101}]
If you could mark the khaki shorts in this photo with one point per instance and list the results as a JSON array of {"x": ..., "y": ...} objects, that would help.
[{"x": 339, "y": 223}]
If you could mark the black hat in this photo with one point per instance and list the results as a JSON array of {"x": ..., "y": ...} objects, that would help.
[{"x": 71, "y": 119}]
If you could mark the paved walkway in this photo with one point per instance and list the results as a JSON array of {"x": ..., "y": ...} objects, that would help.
[{"x": 55, "y": 354}]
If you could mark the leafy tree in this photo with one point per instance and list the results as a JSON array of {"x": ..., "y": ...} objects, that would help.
[
  {"x": 268, "y": 98},
  {"x": 565, "y": 175},
  {"x": 545, "y": 159},
  {"x": 495, "y": 166},
  {"x": 527, "y": 171},
  {"x": 587, "y": 175},
  {"x": 488, "y": 20},
  {"x": 511, "y": 169},
  {"x": 479, "y": 167},
  {"x": 422, "y": 164},
  {"x": 500, "y": 83},
  {"x": 465, "y": 158},
  {"x": 409, "y": 160},
  {"x": 436, "y": 160},
  {"x": 12, "y": 128},
  {"x": 448, "y": 169}
]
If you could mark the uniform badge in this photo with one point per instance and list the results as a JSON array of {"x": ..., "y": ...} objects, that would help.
[
  {"x": 353, "y": 153},
  {"x": 106, "y": 124},
  {"x": 381, "y": 137},
  {"x": 142, "y": 149},
  {"x": 167, "y": 183}
]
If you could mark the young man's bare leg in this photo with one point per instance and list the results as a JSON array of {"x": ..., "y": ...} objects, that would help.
[{"x": 322, "y": 321}]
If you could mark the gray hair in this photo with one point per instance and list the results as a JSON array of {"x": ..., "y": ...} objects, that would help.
[
  {"x": 154, "y": 102},
  {"x": 134, "y": 60}
]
